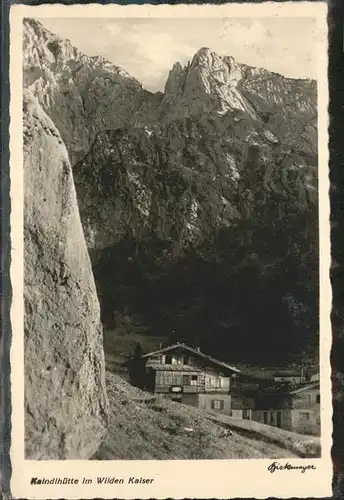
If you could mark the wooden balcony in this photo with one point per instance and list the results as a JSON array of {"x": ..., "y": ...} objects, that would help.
[
  {"x": 186, "y": 389},
  {"x": 304, "y": 405},
  {"x": 192, "y": 389},
  {"x": 216, "y": 390}
]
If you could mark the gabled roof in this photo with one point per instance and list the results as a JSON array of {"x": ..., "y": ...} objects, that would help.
[
  {"x": 196, "y": 352},
  {"x": 290, "y": 373},
  {"x": 306, "y": 387},
  {"x": 273, "y": 390},
  {"x": 174, "y": 368}
]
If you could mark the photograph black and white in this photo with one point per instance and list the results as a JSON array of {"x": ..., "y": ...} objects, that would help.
[
  {"x": 172, "y": 272},
  {"x": 171, "y": 304}
]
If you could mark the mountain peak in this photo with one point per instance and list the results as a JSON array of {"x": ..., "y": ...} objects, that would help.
[
  {"x": 219, "y": 84},
  {"x": 92, "y": 87},
  {"x": 203, "y": 51},
  {"x": 207, "y": 56},
  {"x": 203, "y": 55}
]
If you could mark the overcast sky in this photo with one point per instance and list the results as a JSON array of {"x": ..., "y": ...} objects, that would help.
[{"x": 148, "y": 48}]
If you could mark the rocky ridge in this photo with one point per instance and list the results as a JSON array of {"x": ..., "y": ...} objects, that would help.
[
  {"x": 217, "y": 84},
  {"x": 184, "y": 180},
  {"x": 85, "y": 95},
  {"x": 65, "y": 395},
  {"x": 81, "y": 94}
]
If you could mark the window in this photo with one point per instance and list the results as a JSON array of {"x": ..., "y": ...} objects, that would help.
[
  {"x": 271, "y": 417},
  {"x": 304, "y": 415},
  {"x": 215, "y": 382},
  {"x": 317, "y": 398},
  {"x": 168, "y": 359},
  {"x": 171, "y": 378},
  {"x": 189, "y": 379},
  {"x": 218, "y": 383},
  {"x": 246, "y": 414},
  {"x": 186, "y": 360},
  {"x": 217, "y": 404}
]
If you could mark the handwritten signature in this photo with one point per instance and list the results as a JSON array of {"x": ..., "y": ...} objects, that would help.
[{"x": 275, "y": 466}]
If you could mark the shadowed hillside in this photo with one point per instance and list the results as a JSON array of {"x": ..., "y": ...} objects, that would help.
[{"x": 192, "y": 225}]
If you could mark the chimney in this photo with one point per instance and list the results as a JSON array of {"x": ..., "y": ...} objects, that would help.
[
  {"x": 198, "y": 349},
  {"x": 302, "y": 374}
]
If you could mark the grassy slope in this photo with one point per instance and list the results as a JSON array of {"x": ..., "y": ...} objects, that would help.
[
  {"x": 143, "y": 426},
  {"x": 298, "y": 444}
]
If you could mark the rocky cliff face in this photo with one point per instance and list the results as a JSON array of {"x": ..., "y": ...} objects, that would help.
[
  {"x": 65, "y": 398},
  {"x": 85, "y": 95},
  {"x": 81, "y": 94},
  {"x": 182, "y": 181},
  {"x": 217, "y": 84},
  {"x": 198, "y": 205}
]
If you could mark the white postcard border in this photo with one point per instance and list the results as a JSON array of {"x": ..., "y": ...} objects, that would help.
[{"x": 172, "y": 478}]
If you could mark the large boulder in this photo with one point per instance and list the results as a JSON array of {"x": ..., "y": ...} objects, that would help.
[{"x": 65, "y": 395}]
